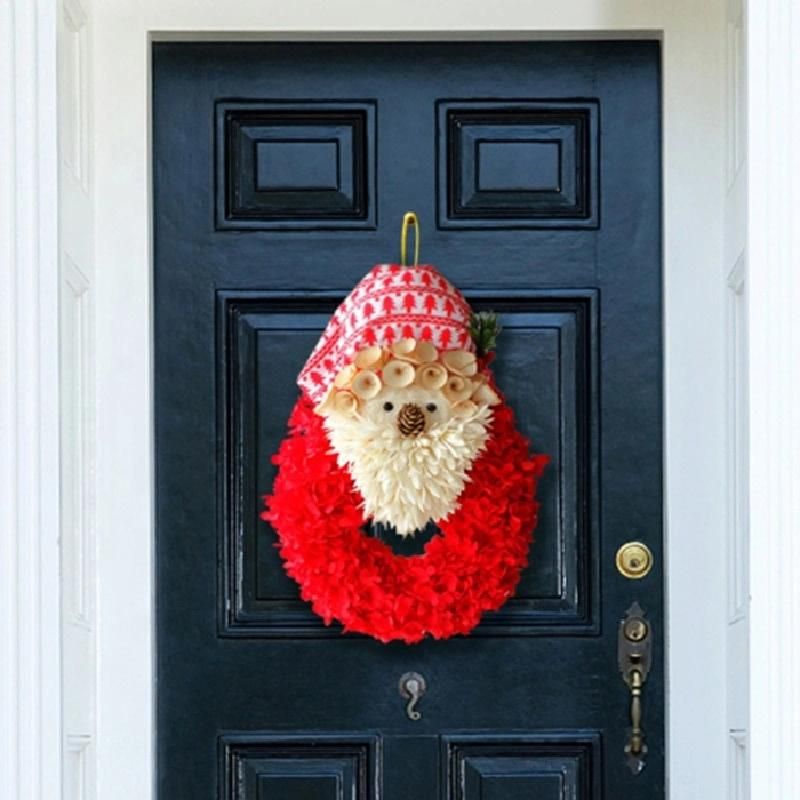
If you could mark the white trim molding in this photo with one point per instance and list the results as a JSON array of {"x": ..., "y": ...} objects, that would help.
[
  {"x": 694, "y": 151},
  {"x": 30, "y": 681},
  {"x": 774, "y": 335},
  {"x": 712, "y": 159},
  {"x": 77, "y": 402},
  {"x": 737, "y": 423}
]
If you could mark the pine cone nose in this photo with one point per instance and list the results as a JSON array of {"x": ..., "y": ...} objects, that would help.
[{"x": 410, "y": 420}]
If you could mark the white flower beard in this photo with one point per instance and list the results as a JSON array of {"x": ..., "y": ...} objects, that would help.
[{"x": 406, "y": 482}]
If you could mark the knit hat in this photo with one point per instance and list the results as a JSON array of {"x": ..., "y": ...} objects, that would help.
[{"x": 391, "y": 302}]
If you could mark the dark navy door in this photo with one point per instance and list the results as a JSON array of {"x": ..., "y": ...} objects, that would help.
[{"x": 281, "y": 173}]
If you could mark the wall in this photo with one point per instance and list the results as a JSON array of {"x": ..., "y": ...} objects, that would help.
[
  {"x": 696, "y": 462},
  {"x": 29, "y": 404},
  {"x": 773, "y": 255},
  {"x": 735, "y": 286},
  {"x": 716, "y": 288}
]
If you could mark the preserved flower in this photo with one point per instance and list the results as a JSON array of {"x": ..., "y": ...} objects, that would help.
[
  {"x": 345, "y": 402},
  {"x": 366, "y": 384},
  {"x": 457, "y": 389},
  {"x": 461, "y": 362},
  {"x": 398, "y": 374},
  {"x": 369, "y": 358},
  {"x": 431, "y": 376}
]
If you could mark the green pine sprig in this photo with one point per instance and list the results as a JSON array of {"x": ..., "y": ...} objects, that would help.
[{"x": 484, "y": 329}]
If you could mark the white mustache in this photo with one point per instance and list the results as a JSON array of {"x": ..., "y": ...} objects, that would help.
[{"x": 407, "y": 482}]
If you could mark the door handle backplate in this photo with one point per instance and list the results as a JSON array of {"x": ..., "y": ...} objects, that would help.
[{"x": 634, "y": 649}]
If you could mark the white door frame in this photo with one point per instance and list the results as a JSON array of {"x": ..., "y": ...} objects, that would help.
[
  {"x": 30, "y": 673},
  {"x": 704, "y": 213}
]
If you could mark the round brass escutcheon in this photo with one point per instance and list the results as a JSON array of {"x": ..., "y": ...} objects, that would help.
[{"x": 634, "y": 560}]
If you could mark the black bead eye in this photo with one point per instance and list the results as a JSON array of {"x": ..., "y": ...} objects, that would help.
[
  {"x": 387, "y": 406},
  {"x": 431, "y": 407}
]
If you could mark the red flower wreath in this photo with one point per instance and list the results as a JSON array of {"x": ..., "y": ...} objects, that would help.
[{"x": 473, "y": 566}]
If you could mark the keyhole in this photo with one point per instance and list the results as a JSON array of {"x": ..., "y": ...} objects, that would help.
[{"x": 635, "y": 630}]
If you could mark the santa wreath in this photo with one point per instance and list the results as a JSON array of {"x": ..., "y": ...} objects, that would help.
[{"x": 400, "y": 422}]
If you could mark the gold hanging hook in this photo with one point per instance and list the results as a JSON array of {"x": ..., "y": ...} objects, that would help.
[{"x": 409, "y": 218}]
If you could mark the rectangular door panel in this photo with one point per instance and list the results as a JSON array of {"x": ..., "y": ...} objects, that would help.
[
  {"x": 547, "y": 371},
  {"x": 518, "y": 164},
  {"x": 295, "y": 166},
  {"x": 523, "y": 767},
  {"x": 313, "y": 767}
]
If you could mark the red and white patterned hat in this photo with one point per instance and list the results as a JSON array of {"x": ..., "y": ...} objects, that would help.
[{"x": 388, "y": 304}]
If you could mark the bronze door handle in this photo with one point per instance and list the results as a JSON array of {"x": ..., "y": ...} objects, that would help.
[{"x": 634, "y": 658}]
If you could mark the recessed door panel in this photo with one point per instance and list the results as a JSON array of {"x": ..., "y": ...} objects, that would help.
[
  {"x": 518, "y": 164},
  {"x": 547, "y": 371},
  {"x": 295, "y": 166},
  {"x": 545, "y": 767},
  {"x": 280, "y": 767}
]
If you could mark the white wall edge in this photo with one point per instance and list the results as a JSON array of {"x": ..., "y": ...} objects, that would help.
[
  {"x": 774, "y": 291},
  {"x": 29, "y": 456},
  {"x": 693, "y": 102},
  {"x": 29, "y": 349}
]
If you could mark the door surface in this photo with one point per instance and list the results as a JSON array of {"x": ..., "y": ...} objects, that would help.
[{"x": 281, "y": 173}]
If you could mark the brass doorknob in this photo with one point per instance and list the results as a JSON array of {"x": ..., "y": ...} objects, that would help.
[{"x": 634, "y": 560}]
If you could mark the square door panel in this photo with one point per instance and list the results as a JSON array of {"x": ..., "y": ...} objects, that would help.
[
  {"x": 276, "y": 767},
  {"x": 547, "y": 370},
  {"x": 288, "y": 166},
  {"x": 517, "y": 164},
  {"x": 526, "y": 767}
]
